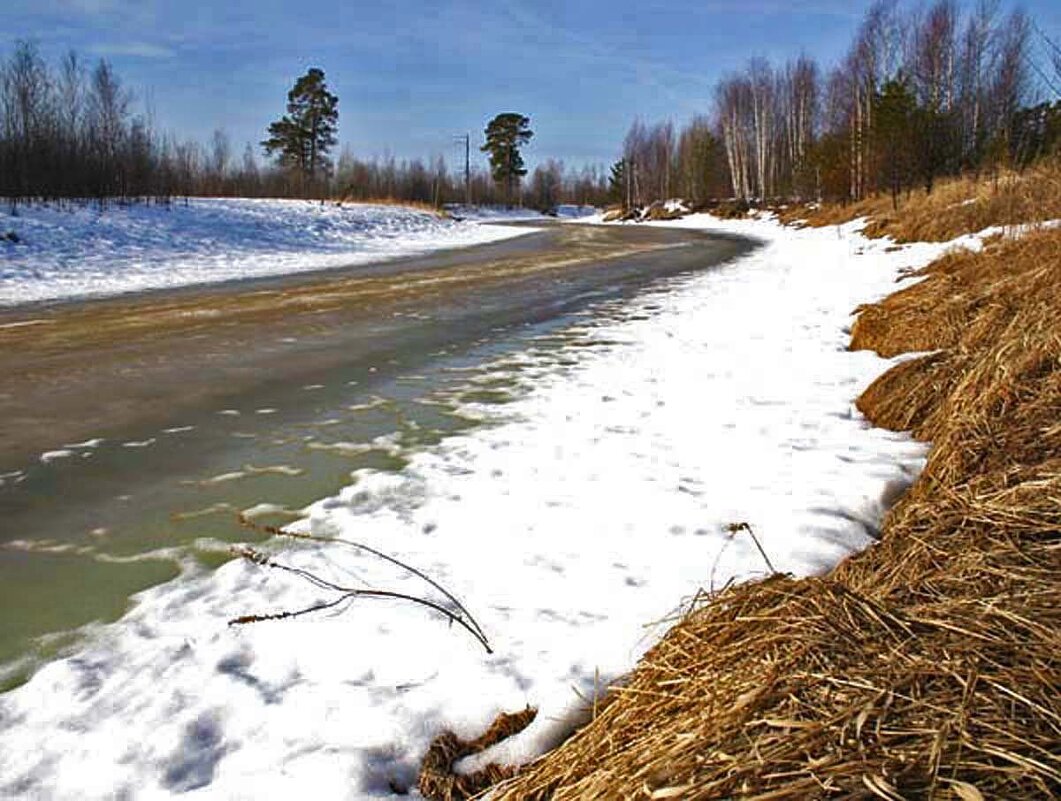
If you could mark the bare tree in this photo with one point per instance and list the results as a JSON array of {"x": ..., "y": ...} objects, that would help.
[
  {"x": 763, "y": 110},
  {"x": 25, "y": 99},
  {"x": 798, "y": 99},
  {"x": 875, "y": 54},
  {"x": 977, "y": 66},
  {"x": 635, "y": 146},
  {"x": 701, "y": 161},
  {"x": 546, "y": 185},
  {"x": 218, "y": 162},
  {"x": 108, "y": 110},
  {"x": 733, "y": 101}
]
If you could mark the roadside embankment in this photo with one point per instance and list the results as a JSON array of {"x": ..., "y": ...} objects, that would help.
[
  {"x": 928, "y": 666},
  {"x": 954, "y": 207}
]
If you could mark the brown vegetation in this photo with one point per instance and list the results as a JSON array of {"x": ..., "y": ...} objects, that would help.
[
  {"x": 956, "y": 207},
  {"x": 439, "y": 780},
  {"x": 925, "y": 667},
  {"x": 414, "y": 205}
]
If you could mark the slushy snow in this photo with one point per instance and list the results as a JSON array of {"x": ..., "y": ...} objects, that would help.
[
  {"x": 81, "y": 251},
  {"x": 569, "y": 523}
]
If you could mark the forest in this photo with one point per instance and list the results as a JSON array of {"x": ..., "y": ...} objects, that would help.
[
  {"x": 922, "y": 93},
  {"x": 70, "y": 132}
]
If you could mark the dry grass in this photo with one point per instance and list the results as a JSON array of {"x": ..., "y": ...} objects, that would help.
[
  {"x": 926, "y": 667},
  {"x": 955, "y": 207},
  {"x": 415, "y": 205}
]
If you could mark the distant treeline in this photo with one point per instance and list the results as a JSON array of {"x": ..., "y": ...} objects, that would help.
[
  {"x": 69, "y": 131},
  {"x": 921, "y": 94},
  {"x": 551, "y": 183}
]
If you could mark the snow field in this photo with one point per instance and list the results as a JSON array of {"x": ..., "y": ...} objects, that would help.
[
  {"x": 80, "y": 251},
  {"x": 570, "y": 523}
]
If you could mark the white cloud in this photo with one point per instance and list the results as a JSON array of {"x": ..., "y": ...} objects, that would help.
[{"x": 136, "y": 49}]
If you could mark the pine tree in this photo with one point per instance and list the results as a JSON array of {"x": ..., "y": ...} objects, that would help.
[
  {"x": 617, "y": 182},
  {"x": 505, "y": 134},
  {"x": 301, "y": 139},
  {"x": 894, "y": 126}
]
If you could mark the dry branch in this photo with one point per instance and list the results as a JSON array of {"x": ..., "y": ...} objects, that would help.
[{"x": 342, "y": 594}]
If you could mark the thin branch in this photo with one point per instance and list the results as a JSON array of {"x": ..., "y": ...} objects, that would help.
[
  {"x": 279, "y": 532},
  {"x": 347, "y": 594},
  {"x": 733, "y": 528}
]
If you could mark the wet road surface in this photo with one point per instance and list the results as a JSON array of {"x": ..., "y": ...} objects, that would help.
[{"x": 159, "y": 416}]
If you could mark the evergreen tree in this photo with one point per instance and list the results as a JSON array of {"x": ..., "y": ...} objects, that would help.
[
  {"x": 505, "y": 134},
  {"x": 301, "y": 139},
  {"x": 895, "y": 115},
  {"x": 617, "y": 182}
]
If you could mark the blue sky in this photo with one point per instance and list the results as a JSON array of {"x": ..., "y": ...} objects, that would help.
[{"x": 411, "y": 75}]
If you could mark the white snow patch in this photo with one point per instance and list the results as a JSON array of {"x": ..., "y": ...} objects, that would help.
[
  {"x": 81, "y": 251},
  {"x": 461, "y": 212},
  {"x": 588, "y": 508},
  {"x": 975, "y": 242},
  {"x": 88, "y": 443},
  {"x": 13, "y": 477},
  {"x": 51, "y": 456},
  {"x": 570, "y": 211}
]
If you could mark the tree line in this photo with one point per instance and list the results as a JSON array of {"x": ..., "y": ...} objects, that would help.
[
  {"x": 431, "y": 182},
  {"x": 71, "y": 131},
  {"x": 920, "y": 94}
]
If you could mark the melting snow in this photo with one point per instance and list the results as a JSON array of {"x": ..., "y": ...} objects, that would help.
[
  {"x": 80, "y": 251},
  {"x": 583, "y": 511}
]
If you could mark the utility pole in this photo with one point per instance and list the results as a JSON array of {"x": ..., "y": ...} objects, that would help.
[{"x": 467, "y": 139}]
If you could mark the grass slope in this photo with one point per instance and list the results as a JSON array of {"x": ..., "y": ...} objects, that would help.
[{"x": 954, "y": 208}]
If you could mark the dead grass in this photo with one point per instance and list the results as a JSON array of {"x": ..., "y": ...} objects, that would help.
[
  {"x": 955, "y": 207},
  {"x": 416, "y": 205},
  {"x": 926, "y": 667}
]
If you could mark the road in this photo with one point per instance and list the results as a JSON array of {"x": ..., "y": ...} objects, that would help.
[{"x": 166, "y": 412}]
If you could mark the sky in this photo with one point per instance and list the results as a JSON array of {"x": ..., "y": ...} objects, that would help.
[{"x": 411, "y": 76}]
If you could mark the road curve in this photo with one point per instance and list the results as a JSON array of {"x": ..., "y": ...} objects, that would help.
[{"x": 104, "y": 367}]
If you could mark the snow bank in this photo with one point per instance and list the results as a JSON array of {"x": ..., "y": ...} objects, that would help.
[
  {"x": 571, "y": 211},
  {"x": 565, "y": 211},
  {"x": 492, "y": 213},
  {"x": 576, "y": 515},
  {"x": 81, "y": 251}
]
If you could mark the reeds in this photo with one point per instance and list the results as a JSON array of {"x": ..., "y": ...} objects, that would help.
[{"x": 928, "y": 666}]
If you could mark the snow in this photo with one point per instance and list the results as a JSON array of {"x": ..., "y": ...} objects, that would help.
[
  {"x": 568, "y": 523},
  {"x": 975, "y": 241},
  {"x": 81, "y": 251},
  {"x": 564, "y": 211},
  {"x": 571, "y": 211},
  {"x": 492, "y": 213},
  {"x": 51, "y": 456}
]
